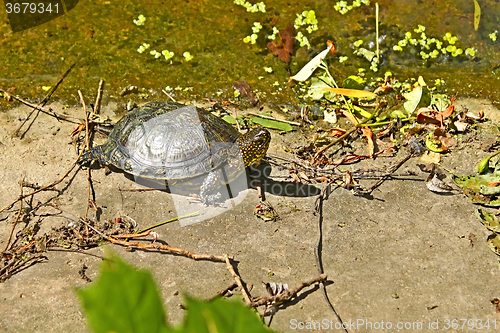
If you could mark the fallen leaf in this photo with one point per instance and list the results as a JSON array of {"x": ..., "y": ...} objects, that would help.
[
  {"x": 383, "y": 89},
  {"x": 269, "y": 123},
  {"x": 494, "y": 243},
  {"x": 351, "y": 92},
  {"x": 420, "y": 96},
  {"x": 284, "y": 50},
  {"x": 244, "y": 88},
  {"x": 477, "y": 15},
  {"x": 489, "y": 220},
  {"x": 337, "y": 132},
  {"x": 435, "y": 184},
  {"x": 274, "y": 289},
  {"x": 430, "y": 157},
  {"x": 79, "y": 129},
  {"x": 330, "y": 116},
  {"x": 367, "y": 132},
  {"x": 266, "y": 212},
  {"x": 310, "y": 67}
]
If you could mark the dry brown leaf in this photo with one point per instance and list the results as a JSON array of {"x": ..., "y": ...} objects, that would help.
[
  {"x": 244, "y": 88},
  {"x": 284, "y": 50}
]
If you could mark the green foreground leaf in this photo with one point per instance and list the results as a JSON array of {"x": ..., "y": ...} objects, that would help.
[
  {"x": 123, "y": 299},
  {"x": 221, "y": 316}
]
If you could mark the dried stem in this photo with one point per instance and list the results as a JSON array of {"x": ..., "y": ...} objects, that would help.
[
  {"x": 237, "y": 279},
  {"x": 287, "y": 295},
  {"x": 87, "y": 147},
  {"x": 97, "y": 108},
  {"x": 390, "y": 172},
  {"x": 44, "y": 187},
  {"x": 42, "y": 109},
  {"x": 46, "y": 98},
  {"x": 17, "y": 219}
]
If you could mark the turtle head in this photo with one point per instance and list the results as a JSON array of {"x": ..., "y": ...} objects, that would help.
[{"x": 253, "y": 145}]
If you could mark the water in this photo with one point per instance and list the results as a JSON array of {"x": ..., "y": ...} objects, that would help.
[{"x": 102, "y": 39}]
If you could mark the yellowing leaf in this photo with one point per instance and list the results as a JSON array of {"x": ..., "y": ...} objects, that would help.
[
  {"x": 351, "y": 92},
  {"x": 477, "y": 15}
]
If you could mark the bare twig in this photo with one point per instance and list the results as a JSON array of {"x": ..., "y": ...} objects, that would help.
[
  {"x": 97, "y": 108},
  {"x": 390, "y": 172},
  {"x": 287, "y": 295},
  {"x": 42, "y": 109},
  {"x": 237, "y": 279},
  {"x": 334, "y": 142},
  {"x": 19, "y": 265},
  {"x": 17, "y": 219},
  {"x": 87, "y": 147},
  {"x": 156, "y": 246},
  {"x": 224, "y": 291},
  {"x": 76, "y": 251},
  {"x": 44, "y": 187},
  {"x": 235, "y": 116},
  {"x": 46, "y": 98},
  {"x": 169, "y": 96}
]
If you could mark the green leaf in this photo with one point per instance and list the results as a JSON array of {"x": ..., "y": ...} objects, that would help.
[
  {"x": 354, "y": 82},
  {"x": 229, "y": 119},
  {"x": 123, "y": 299},
  {"x": 440, "y": 102},
  {"x": 484, "y": 165},
  {"x": 222, "y": 316},
  {"x": 362, "y": 112},
  {"x": 434, "y": 145},
  {"x": 494, "y": 243},
  {"x": 316, "y": 91},
  {"x": 365, "y": 53},
  {"x": 490, "y": 221},
  {"x": 398, "y": 114},
  {"x": 478, "y": 190},
  {"x": 477, "y": 15},
  {"x": 418, "y": 97},
  {"x": 269, "y": 123}
]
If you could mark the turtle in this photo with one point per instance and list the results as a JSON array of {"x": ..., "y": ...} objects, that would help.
[{"x": 176, "y": 142}]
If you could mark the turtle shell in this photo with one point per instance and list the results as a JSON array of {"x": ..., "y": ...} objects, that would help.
[{"x": 168, "y": 141}]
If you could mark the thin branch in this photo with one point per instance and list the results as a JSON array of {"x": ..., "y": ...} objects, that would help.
[
  {"x": 44, "y": 187},
  {"x": 87, "y": 147},
  {"x": 237, "y": 279},
  {"x": 17, "y": 219},
  {"x": 287, "y": 295},
  {"x": 46, "y": 98},
  {"x": 76, "y": 251},
  {"x": 389, "y": 174},
  {"x": 42, "y": 109},
  {"x": 156, "y": 246},
  {"x": 97, "y": 108}
]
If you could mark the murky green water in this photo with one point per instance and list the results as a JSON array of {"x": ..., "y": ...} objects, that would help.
[{"x": 102, "y": 39}]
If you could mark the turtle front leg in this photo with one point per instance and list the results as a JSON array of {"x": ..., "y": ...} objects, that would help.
[{"x": 208, "y": 191}]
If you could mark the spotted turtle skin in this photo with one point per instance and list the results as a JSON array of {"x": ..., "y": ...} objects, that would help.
[{"x": 172, "y": 141}]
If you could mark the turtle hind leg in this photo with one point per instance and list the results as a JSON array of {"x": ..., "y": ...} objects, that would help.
[{"x": 208, "y": 191}]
